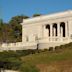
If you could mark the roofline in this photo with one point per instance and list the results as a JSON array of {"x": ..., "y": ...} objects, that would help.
[{"x": 29, "y": 20}]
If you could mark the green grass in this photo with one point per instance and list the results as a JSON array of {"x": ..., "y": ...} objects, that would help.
[
  {"x": 48, "y": 57},
  {"x": 51, "y": 61}
]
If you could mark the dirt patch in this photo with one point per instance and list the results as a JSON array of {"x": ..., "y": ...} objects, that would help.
[{"x": 61, "y": 66}]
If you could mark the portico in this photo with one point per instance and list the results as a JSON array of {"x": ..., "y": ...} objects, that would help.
[{"x": 56, "y": 30}]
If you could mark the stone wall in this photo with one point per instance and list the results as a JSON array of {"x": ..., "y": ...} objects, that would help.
[
  {"x": 41, "y": 44},
  {"x": 18, "y": 46},
  {"x": 8, "y": 71}
]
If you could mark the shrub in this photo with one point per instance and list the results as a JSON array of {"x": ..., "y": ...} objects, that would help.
[
  {"x": 57, "y": 48},
  {"x": 45, "y": 50},
  {"x": 51, "y": 49},
  {"x": 61, "y": 47},
  {"x": 25, "y": 52},
  {"x": 38, "y": 51},
  {"x": 11, "y": 63}
]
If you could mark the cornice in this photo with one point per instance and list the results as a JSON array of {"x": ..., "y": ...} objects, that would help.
[{"x": 49, "y": 17}]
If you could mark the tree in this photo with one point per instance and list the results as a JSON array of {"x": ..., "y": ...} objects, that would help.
[
  {"x": 6, "y": 33},
  {"x": 35, "y": 15},
  {"x": 12, "y": 31},
  {"x": 17, "y": 19},
  {"x": 1, "y": 25},
  {"x": 16, "y": 27},
  {"x": 1, "y": 30},
  {"x": 1, "y": 22}
]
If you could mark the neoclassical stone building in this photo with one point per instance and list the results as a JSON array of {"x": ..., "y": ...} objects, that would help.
[
  {"x": 43, "y": 32},
  {"x": 47, "y": 30}
]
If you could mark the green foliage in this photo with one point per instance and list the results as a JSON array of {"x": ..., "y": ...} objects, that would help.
[
  {"x": 17, "y": 19},
  {"x": 16, "y": 27},
  {"x": 1, "y": 23},
  {"x": 36, "y": 15},
  {"x": 14, "y": 64},
  {"x": 51, "y": 49},
  {"x": 11, "y": 60},
  {"x": 12, "y": 31}
]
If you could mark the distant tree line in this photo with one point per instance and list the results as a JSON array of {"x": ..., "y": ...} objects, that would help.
[{"x": 12, "y": 31}]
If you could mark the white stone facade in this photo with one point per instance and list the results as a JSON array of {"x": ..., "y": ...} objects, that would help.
[
  {"x": 44, "y": 31},
  {"x": 48, "y": 30}
]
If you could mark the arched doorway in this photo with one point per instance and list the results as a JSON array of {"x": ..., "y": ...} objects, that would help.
[
  {"x": 48, "y": 27},
  {"x": 54, "y": 29},
  {"x": 62, "y": 29}
]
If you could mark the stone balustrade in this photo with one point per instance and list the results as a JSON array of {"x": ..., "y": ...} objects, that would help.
[{"x": 17, "y": 46}]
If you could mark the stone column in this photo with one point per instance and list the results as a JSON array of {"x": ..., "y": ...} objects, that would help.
[
  {"x": 54, "y": 31},
  {"x": 61, "y": 35},
  {"x": 58, "y": 29},
  {"x": 51, "y": 30},
  {"x": 45, "y": 31},
  {"x": 66, "y": 30},
  {"x": 23, "y": 34}
]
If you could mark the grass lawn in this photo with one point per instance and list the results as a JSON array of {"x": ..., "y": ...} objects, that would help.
[{"x": 57, "y": 61}]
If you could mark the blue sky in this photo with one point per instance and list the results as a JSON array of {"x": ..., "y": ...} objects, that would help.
[{"x": 10, "y": 8}]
